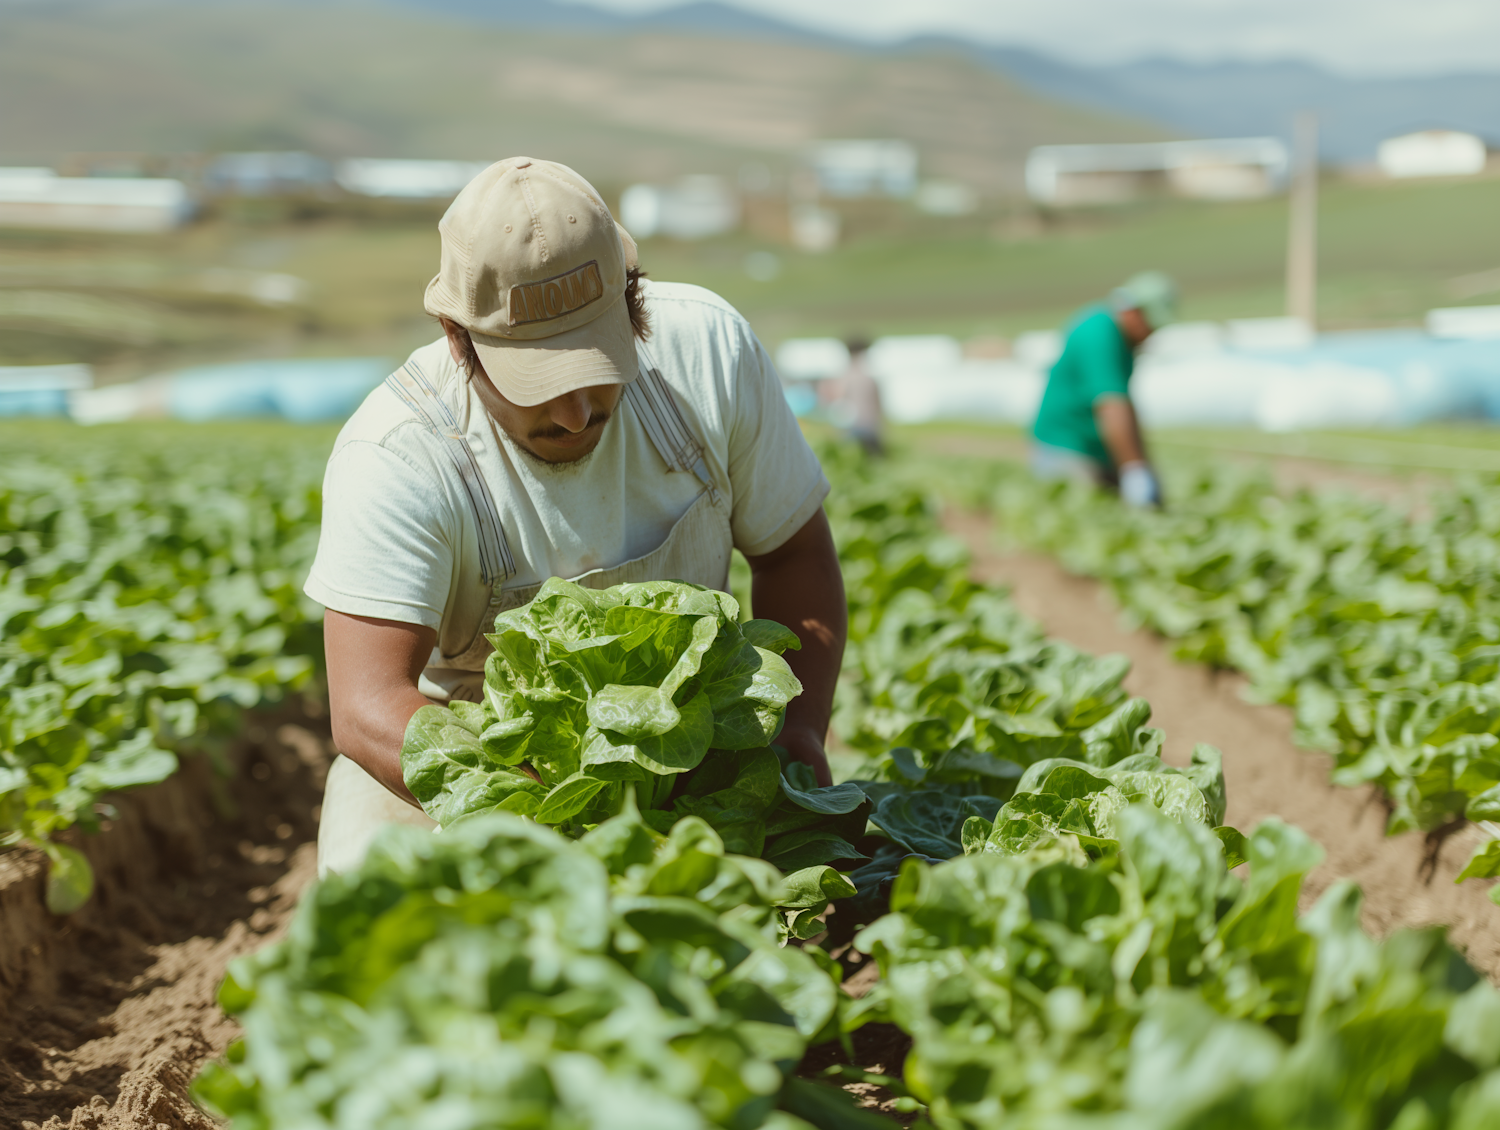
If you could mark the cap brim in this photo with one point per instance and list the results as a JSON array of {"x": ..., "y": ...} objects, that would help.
[
  {"x": 1158, "y": 314},
  {"x": 533, "y": 372}
]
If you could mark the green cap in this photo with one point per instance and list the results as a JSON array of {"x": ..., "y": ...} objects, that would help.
[{"x": 1153, "y": 294}]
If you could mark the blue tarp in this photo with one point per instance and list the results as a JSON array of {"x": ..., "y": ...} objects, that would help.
[
  {"x": 1435, "y": 378},
  {"x": 305, "y": 391},
  {"x": 40, "y": 390},
  {"x": 34, "y": 402}
]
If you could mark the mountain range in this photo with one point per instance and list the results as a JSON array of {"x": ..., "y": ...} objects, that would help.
[
  {"x": 153, "y": 82},
  {"x": 1224, "y": 99},
  {"x": 702, "y": 86}
]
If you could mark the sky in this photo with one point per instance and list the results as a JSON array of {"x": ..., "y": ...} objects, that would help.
[{"x": 1355, "y": 37}]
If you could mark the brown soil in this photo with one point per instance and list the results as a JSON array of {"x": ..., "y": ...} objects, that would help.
[
  {"x": 1407, "y": 879},
  {"x": 109, "y": 1012},
  {"x": 879, "y": 1049},
  {"x": 875, "y": 1049}
]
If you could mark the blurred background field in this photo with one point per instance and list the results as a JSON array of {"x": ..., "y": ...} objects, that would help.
[
  {"x": 134, "y": 303},
  {"x": 1380, "y": 460},
  {"x": 733, "y": 98}
]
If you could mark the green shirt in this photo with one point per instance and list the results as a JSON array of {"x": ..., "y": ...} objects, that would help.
[{"x": 1096, "y": 362}]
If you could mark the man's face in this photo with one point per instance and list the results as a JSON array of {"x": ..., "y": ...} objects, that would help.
[
  {"x": 560, "y": 430},
  {"x": 1134, "y": 326}
]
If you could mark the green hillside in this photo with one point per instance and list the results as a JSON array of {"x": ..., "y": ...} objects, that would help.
[
  {"x": 1388, "y": 253},
  {"x": 133, "y": 304},
  {"x": 365, "y": 81}
]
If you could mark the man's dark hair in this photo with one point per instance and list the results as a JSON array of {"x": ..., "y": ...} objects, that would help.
[
  {"x": 635, "y": 304},
  {"x": 857, "y": 345}
]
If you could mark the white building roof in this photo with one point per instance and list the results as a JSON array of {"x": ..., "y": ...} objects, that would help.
[
  {"x": 262, "y": 173},
  {"x": 46, "y": 187},
  {"x": 1047, "y": 163},
  {"x": 1432, "y": 153},
  {"x": 859, "y": 167},
  {"x": 695, "y": 207},
  {"x": 409, "y": 180}
]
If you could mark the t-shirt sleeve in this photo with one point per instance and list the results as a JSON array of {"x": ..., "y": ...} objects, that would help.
[
  {"x": 777, "y": 481},
  {"x": 1106, "y": 365},
  {"x": 380, "y": 553}
]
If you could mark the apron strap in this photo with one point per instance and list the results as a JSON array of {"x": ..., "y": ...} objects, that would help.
[
  {"x": 496, "y": 562},
  {"x": 650, "y": 397},
  {"x": 656, "y": 408}
]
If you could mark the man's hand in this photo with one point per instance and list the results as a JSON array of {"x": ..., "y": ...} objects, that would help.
[
  {"x": 1121, "y": 433},
  {"x": 1138, "y": 486},
  {"x": 799, "y": 584},
  {"x": 806, "y": 747}
]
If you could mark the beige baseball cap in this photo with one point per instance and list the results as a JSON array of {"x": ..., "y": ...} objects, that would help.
[{"x": 533, "y": 266}]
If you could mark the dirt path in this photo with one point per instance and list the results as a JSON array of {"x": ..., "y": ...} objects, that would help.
[
  {"x": 1407, "y": 879},
  {"x": 109, "y": 1013}
]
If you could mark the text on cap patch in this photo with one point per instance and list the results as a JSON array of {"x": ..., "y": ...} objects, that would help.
[{"x": 554, "y": 297}]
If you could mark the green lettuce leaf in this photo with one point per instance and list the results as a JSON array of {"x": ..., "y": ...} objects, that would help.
[
  {"x": 446, "y": 768},
  {"x": 595, "y": 688}
]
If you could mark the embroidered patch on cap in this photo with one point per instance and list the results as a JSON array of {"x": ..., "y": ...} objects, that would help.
[{"x": 554, "y": 297}]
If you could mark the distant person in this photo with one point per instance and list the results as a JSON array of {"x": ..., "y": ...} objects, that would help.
[
  {"x": 856, "y": 405},
  {"x": 1086, "y": 426}
]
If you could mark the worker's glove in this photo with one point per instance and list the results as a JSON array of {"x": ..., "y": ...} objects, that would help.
[{"x": 1138, "y": 485}]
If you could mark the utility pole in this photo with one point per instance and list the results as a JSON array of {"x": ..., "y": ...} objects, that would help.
[{"x": 1302, "y": 231}]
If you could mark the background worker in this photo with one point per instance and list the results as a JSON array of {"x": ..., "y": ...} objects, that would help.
[
  {"x": 543, "y": 436},
  {"x": 1086, "y": 426},
  {"x": 856, "y": 400}
]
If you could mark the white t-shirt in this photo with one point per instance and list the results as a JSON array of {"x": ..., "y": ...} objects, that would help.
[{"x": 400, "y": 540}]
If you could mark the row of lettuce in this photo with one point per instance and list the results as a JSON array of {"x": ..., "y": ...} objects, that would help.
[
  {"x": 642, "y": 936},
  {"x": 1380, "y": 628},
  {"x": 1058, "y": 970},
  {"x": 150, "y": 590}
]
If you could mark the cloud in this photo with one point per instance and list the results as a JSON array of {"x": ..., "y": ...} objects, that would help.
[{"x": 1352, "y": 36}]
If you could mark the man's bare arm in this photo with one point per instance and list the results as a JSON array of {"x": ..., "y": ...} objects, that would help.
[
  {"x": 799, "y": 584},
  {"x": 373, "y": 667},
  {"x": 1119, "y": 430}
]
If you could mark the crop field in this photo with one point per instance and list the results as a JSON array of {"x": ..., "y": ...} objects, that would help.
[{"x": 1022, "y": 903}]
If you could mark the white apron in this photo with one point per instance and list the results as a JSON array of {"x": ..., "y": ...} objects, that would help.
[{"x": 696, "y": 549}]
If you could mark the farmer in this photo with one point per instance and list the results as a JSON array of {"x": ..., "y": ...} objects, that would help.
[
  {"x": 856, "y": 404},
  {"x": 1086, "y": 426},
  {"x": 573, "y": 421}
]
